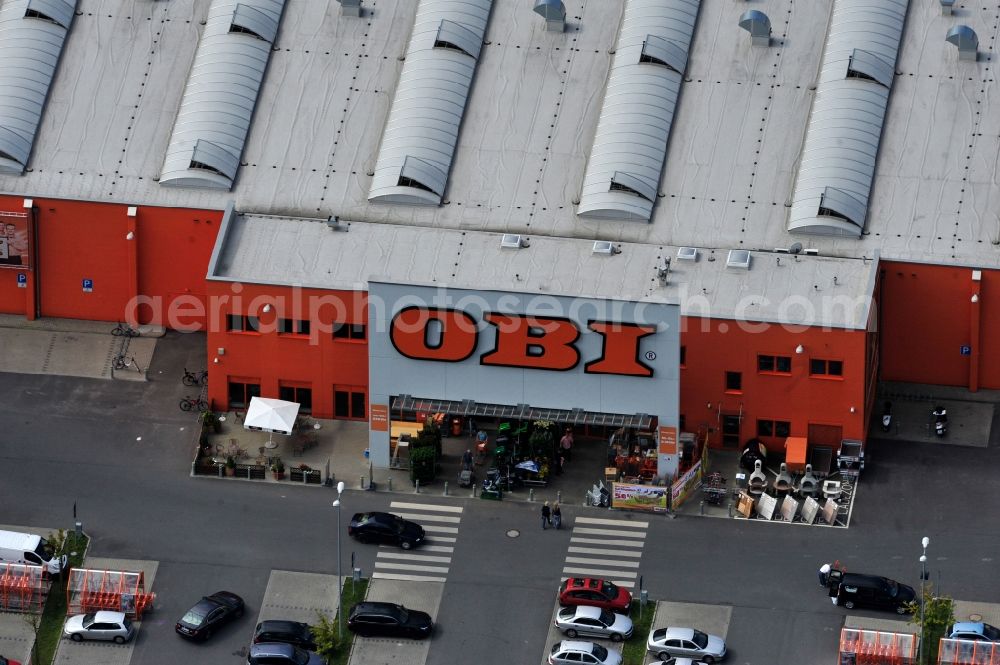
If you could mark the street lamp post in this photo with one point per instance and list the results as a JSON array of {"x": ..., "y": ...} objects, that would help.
[
  {"x": 923, "y": 576},
  {"x": 340, "y": 579}
]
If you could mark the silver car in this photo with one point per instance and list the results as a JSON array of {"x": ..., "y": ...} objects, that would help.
[
  {"x": 588, "y": 653},
  {"x": 111, "y": 626},
  {"x": 594, "y": 621},
  {"x": 675, "y": 641}
]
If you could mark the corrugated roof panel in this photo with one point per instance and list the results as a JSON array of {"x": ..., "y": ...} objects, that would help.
[
  {"x": 626, "y": 161},
  {"x": 834, "y": 180},
  {"x": 32, "y": 34},
  {"x": 221, "y": 93},
  {"x": 420, "y": 136}
]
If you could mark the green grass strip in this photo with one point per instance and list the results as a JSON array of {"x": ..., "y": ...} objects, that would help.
[
  {"x": 51, "y": 623},
  {"x": 354, "y": 592},
  {"x": 634, "y": 650}
]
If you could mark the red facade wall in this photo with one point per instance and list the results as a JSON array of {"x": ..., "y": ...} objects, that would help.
[
  {"x": 76, "y": 240},
  {"x": 714, "y": 347},
  {"x": 318, "y": 360},
  {"x": 927, "y": 316}
]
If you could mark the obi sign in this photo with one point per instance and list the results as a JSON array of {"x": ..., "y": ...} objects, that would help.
[{"x": 519, "y": 340}]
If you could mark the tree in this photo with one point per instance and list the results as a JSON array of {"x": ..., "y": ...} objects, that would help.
[
  {"x": 326, "y": 636},
  {"x": 938, "y": 614},
  {"x": 422, "y": 464}
]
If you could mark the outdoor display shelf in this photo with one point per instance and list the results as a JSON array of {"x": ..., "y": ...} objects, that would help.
[
  {"x": 120, "y": 591},
  {"x": 873, "y": 647},
  {"x": 968, "y": 652},
  {"x": 23, "y": 588}
]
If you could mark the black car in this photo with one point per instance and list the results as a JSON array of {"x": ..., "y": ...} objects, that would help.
[
  {"x": 385, "y": 528},
  {"x": 850, "y": 590},
  {"x": 209, "y": 614},
  {"x": 287, "y": 632},
  {"x": 389, "y": 620}
]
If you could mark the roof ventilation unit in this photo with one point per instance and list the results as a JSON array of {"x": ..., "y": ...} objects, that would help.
[
  {"x": 966, "y": 40},
  {"x": 811, "y": 252},
  {"x": 758, "y": 25},
  {"x": 605, "y": 247},
  {"x": 687, "y": 254},
  {"x": 738, "y": 258},
  {"x": 946, "y": 6},
  {"x": 554, "y": 13},
  {"x": 350, "y": 7},
  {"x": 513, "y": 241}
]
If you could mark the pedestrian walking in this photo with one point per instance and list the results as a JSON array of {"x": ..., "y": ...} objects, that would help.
[
  {"x": 566, "y": 443},
  {"x": 546, "y": 515},
  {"x": 556, "y": 516},
  {"x": 824, "y": 575},
  {"x": 467, "y": 460}
]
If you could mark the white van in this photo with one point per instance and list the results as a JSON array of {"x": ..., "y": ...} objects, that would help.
[{"x": 28, "y": 548}]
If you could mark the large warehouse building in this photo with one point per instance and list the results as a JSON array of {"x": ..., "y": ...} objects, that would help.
[{"x": 718, "y": 217}]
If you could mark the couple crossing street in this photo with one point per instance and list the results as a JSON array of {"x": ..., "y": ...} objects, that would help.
[{"x": 551, "y": 516}]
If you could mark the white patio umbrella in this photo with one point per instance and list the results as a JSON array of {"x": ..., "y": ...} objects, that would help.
[{"x": 271, "y": 415}]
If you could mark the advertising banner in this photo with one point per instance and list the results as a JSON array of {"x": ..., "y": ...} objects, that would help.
[
  {"x": 379, "y": 417},
  {"x": 686, "y": 484},
  {"x": 639, "y": 497},
  {"x": 14, "y": 244}
]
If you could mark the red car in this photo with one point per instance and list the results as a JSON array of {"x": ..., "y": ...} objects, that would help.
[
  {"x": 595, "y": 592},
  {"x": 8, "y": 661}
]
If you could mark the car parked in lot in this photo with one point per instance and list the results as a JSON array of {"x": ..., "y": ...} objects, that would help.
[
  {"x": 595, "y": 592},
  {"x": 110, "y": 626},
  {"x": 682, "y": 660},
  {"x": 385, "y": 529},
  {"x": 974, "y": 630},
  {"x": 209, "y": 614},
  {"x": 569, "y": 652},
  {"x": 675, "y": 641},
  {"x": 290, "y": 632},
  {"x": 373, "y": 619},
  {"x": 8, "y": 661},
  {"x": 281, "y": 653},
  {"x": 593, "y": 621}
]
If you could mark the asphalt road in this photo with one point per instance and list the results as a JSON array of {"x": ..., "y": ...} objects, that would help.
[{"x": 122, "y": 451}]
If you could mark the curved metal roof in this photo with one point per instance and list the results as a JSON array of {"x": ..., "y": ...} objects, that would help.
[
  {"x": 626, "y": 161},
  {"x": 420, "y": 136},
  {"x": 221, "y": 93},
  {"x": 32, "y": 34},
  {"x": 834, "y": 180}
]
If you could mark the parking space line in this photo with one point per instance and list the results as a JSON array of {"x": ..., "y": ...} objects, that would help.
[
  {"x": 603, "y": 562},
  {"x": 420, "y": 517},
  {"x": 597, "y": 550},
  {"x": 406, "y": 578},
  {"x": 598, "y": 520},
  {"x": 608, "y": 541},
  {"x": 426, "y": 506},
  {"x": 407, "y": 566},
  {"x": 598, "y": 572},
  {"x": 609, "y": 532},
  {"x": 413, "y": 557}
]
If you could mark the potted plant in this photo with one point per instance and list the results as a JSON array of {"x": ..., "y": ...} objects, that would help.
[
  {"x": 210, "y": 422},
  {"x": 230, "y": 466},
  {"x": 278, "y": 469}
]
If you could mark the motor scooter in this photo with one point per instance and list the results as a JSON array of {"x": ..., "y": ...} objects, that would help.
[
  {"x": 887, "y": 416},
  {"x": 940, "y": 420}
]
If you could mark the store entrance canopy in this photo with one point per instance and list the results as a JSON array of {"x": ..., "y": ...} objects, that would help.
[{"x": 520, "y": 412}]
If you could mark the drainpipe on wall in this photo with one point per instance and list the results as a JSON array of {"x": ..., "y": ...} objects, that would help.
[
  {"x": 33, "y": 295},
  {"x": 974, "y": 337},
  {"x": 133, "y": 257}
]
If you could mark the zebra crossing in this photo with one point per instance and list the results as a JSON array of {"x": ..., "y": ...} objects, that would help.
[
  {"x": 430, "y": 561},
  {"x": 606, "y": 548}
]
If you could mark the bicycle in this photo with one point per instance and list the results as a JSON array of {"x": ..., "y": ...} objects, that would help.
[
  {"x": 194, "y": 379},
  {"x": 120, "y": 362},
  {"x": 190, "y": 403},
  {"x": 124, "y": 330}
]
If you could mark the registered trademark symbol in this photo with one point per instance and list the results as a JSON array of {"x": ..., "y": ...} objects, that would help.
[{"x": 650, "y": 355}]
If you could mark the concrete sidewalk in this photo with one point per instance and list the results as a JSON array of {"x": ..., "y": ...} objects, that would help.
[
  {"x": 971, "y": 415},
  {"x": 70, "y": 347}
]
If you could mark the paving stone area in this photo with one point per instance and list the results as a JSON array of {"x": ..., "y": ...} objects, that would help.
[{"x": 424, "y": 596}]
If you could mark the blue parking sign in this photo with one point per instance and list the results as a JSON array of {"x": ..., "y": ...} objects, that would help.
[
  {"x": 88, "y": 285},
  {"x": 22, "y": 280},
  {"x": 965, "y": 350}
]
